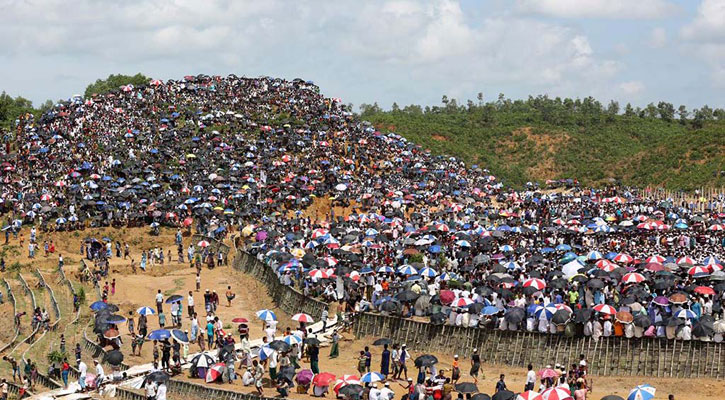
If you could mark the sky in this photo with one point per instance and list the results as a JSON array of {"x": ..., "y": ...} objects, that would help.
[{"x": 365, "y": 51}]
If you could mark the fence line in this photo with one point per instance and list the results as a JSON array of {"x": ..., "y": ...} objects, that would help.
[
  {"x": 609, "y": 355},
  {"x": 11, "y": 297}
]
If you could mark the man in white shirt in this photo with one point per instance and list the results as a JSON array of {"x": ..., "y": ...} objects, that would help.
[
  {"x": 150, "y": 391},
  {"x": 99, "y": 374},
  {"x": 270, "y": 331},
  {"x": 161, "y": 392},
  {"x": 159, "y": 302},
  {"x": 530, "y": 378},
  {"x": 374, "y": 392},
  {"x": 190, "y": 303},
  {"x": 608, "y": 327},
  {"x": 386, "y": 393},
  {"x": 82, "y": 371}
]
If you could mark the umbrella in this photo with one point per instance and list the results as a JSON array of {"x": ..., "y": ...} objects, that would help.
[
  {"x": 98, "y": 305},
  {"x": 292, "y": 340},
  {"x": 312, "y": 341},
  {"x": 642, "y": 321},
  {"x": 146, "y": 311},
  {"x": 180, "y": 336},
  {"x": 174, "y": 299},
  {"x": 560, "y": 317},
  {"x": 624, "y": 317},
  {"x": 426, "y": 360},
  {"x": 352, "y": 390},
  {"x": 642, "y": 392},
  {"x": 280, "y": 346},
  {"x": 612, "y": 397},
  {"x": 515, "y": 315},
  {"x": 466, "y": 387},
  {"x": 215, "y": 372},
  {"x": 304, "y": 377},
  {"x": 407, "y": 295},
  {"x": 504, "y": 395},
  {"x": 266, "y": 315},
  {"x": 371, "y": 377},
  {"x": 114, "y": 357},
  {"x": 159, "y": 334},
  {"x": 529, "y": 395},
  {"x": 381, "y": 342},
  {"x": 556, "y": 393},
  {"x": 302, "y": 317},
  {"x": 548, "y": 373},
  {"x": 113, "y": 319},
  {"x": 605, "y": 309},
  {"x": 156, "y": 377},
  {"x": 202, "y": 360},
  {"x": 481, "y": 396},
  {"x": 240, "y": 320},
  {"x": 323, "y": 379}
]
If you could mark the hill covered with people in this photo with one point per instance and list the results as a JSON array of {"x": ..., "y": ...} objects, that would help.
[{"x": 544, "y": 138}]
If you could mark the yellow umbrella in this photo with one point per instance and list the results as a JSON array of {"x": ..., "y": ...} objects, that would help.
[
  {"x": 190, "y": 156},
  {"x": 297, "y": 253},
  {"x": 248, "y": 230}
]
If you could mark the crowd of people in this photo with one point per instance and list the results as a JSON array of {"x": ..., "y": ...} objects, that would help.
[{"x": 354, "y": 215}]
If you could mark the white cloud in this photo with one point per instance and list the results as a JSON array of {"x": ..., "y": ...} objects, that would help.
[
  {"x": 709, "y": 24},
  {"x": 706, "y": 37},
  {"x": 631, "y": 88},
  {"x": 658, "y": 38},
  {"x": 404, "y": 50},
  {"x": 624, "y": 9}
]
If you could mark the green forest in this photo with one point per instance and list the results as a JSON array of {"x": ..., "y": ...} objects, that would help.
[{"x": 542, "y": 138}]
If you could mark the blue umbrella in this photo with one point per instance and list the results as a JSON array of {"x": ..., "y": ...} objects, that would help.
[
  {"x": 266, "y": 315},
  {"x": 159, "y": 334},
  {"x": 428, "y": 272},
  {"x": 435, "y": 248},
  {"x": 489, "y": 310},
  {"x": 642, "y": 392},
  {"x": 563, "y": 247},
  {"x": 547, "y": 250},
  {"x": 371, "y": 377},
  {"x": 180, "y": 336},
  {"x": 594, "y": 255},
  {"x": 146, "y": 311},
  {"x": 506, "y": 248},
  {"x": 686, "y": 314},
  {"x": 292, "y": 340},
  {"x": 407, "y": 270},
  {"x": 99, "y": 305}
]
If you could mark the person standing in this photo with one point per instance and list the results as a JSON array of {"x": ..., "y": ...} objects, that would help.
[
  {"x": 385, "y": 362},
  {"x": 475, "y": 365},
  {"x": 501, "y": 384},
  {"x": 258, "y": 372},
  {"x": 159, "y": 302},
  {"x": 368, "y": 359},
  {"x": 403, "y": 367},
  {"x": 4, "y": 389},
  {"x": 99, "y": 374},
  {"x": 82, "y": 371},
  {"x": 190, "y": 304},
  {"x": 314, "y": 353},
  {"x": 161, "y": 392},
  {"x": 64, "y": 371},
  {"x": 334, "y": 349},
  {"x": 151, "y": 391},
  {"x": 530, "y": 378}
]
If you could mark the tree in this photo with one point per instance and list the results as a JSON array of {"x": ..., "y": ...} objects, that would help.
[
  {"x": 629, "y": 111},
  {"x": 479, "y": 96},
  {"x": 666, "y": 111},
  {"x": 12, "y": 108},
  {"x": 682, "y": 113},
  {"x": 395, "y": 107},
  {"x": 650, "y": 111},
  {"x": 113, "y": 82}
]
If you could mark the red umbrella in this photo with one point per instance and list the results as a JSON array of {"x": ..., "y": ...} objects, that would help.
[
  {"x": 323, "y": 379},
  {"x": 188, "y": 221},
  {"x": 215, "y": 372},
  {"x": 447, "y": 296},
  {"x": 705, "y": 290},
  {"x": 240, "y": 320}
]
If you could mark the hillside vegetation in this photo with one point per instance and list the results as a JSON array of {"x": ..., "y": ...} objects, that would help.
[{"x": 542, "y": 138}]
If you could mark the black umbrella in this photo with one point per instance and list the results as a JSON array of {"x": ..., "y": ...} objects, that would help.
[
  {"x": 466, "y": 387},
  {"x": 595, "y": 283},
  {"x": 515, "y": 315},
  {"x": 481, "y": 396},
  {"x": 351, "y": 390},
  {"x": 382, "y": 342},
  {"x": 407, "y": 295},
  {"x": 560, "y": 317},
  {"x": 438, "y": 319},
  {"x": 642, "y": 321},
  {"x": 113, "y": 319},
  {"x": 426, "y": 360},
  {"x": 390, "y": 306},
  {"x": 174, "y": 299},
  {"x": 504, "y": 395},
  {"x": 287, "y": 373},
  {"x": 225, "y": 352},
  {"x": 280, "y": 346},
  {"x": 312, "y": 341},
  {"x": 612, "y": 397},
  {"x": 558, "y": 283},
  {"x": 156, "y": 377},
  {"x": 703, "y": 328},
  {"x": 582, "y": 315},
  {"x": 475, "y": 308},
  {"x": 114, "y": 357}
]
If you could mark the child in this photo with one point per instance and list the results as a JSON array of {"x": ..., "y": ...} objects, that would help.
[{"x": 162, "y": 319}]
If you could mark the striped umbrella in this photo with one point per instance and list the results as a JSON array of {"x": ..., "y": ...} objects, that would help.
[{"x": 642, "y": 392}]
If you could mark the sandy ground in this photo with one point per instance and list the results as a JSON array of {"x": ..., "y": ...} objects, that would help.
[{"x": 135, "y": 290}]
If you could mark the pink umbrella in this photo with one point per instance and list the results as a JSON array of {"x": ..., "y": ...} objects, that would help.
[
  {"x": 302, "y": 317},
  {"x": 529, "y": 395},
  {"x": 548, "y": 373},
  {"x": 556, "y": 393},
  {"x": 633, "y": 277},
  {"x": 605, "y": 309},
  {"x": 537, "y": 283}
]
